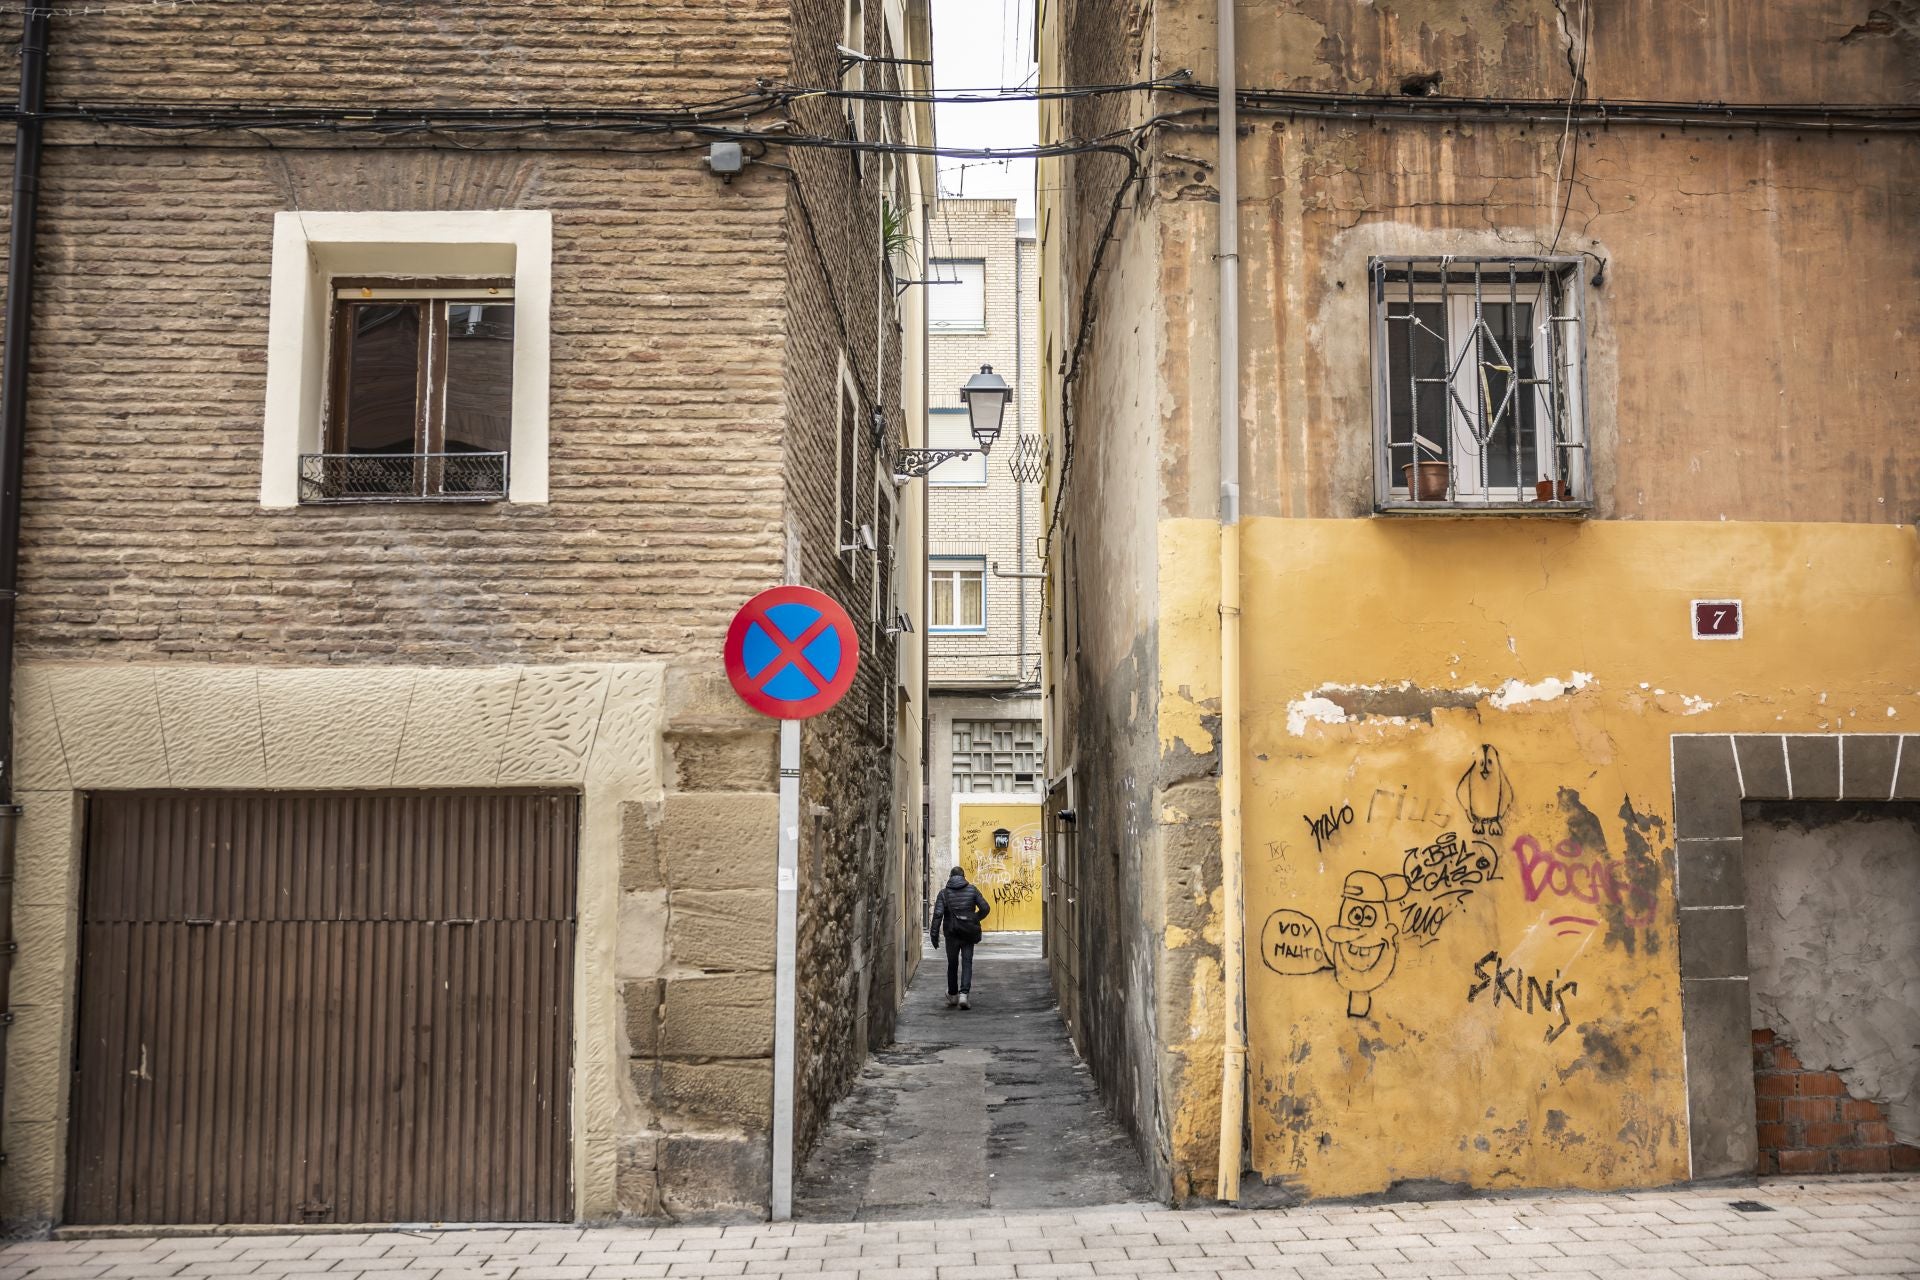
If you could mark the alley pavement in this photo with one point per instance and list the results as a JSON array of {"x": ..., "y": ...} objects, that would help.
[
  {"x": 977, "y": 1149},
  {"x": 972, "y": 1109},
  {"x": 1836, "y": 1227}
]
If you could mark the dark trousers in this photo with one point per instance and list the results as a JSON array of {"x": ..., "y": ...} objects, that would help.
[{"x": 959, "y": 966}]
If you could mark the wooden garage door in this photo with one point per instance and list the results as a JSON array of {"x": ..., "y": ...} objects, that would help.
[{"x": 325, "y": 1007}]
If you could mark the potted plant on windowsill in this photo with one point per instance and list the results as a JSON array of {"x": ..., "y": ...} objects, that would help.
[{"x": 1428, "y": 479}]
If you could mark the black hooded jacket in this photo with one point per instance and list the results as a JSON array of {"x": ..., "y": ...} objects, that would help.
[{"x": 959, "y": 903}]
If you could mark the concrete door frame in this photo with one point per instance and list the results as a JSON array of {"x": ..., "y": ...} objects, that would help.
[{"x": 1712, "y": 775}]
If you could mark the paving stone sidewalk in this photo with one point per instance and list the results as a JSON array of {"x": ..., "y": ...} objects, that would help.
[{"x": 1838, "y": 1227}]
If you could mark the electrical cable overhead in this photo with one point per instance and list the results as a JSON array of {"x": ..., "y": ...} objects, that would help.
[
  {"x": 101, "y": 10},
  {"x": 994, "y": 94}
]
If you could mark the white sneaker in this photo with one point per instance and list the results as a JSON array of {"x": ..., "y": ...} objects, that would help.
[
  {"x": 952, "y": 1000},
  {"x": 963, "y": 1001}
]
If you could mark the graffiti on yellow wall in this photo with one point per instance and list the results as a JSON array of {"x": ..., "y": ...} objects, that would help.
[
  {"x": 999, "y": 848},
  {"x": 1378, "y": 912},
  {"x": 1433, "y": 911},
  {"x": 1528, "y": 1030}
]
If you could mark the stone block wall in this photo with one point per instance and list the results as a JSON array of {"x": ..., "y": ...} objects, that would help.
[{"x": 696, "y": 990}]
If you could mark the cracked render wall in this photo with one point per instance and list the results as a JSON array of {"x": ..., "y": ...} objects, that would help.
[
  {"x": 1133, "y": 868},
  {"x": 1461, "y": 728},
  {"x": 176, "y": 634}
]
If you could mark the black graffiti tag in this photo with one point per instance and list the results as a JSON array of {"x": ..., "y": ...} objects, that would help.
[
  {"x": 1524, "y": 992},
  {"x": 1324, "y": 826},
  {"x": 1449, "y": 864}
]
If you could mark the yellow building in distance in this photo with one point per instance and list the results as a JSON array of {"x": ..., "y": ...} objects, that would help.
[{"x": 999, "y": 847}]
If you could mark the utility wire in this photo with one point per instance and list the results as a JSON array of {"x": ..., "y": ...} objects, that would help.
[{"x": 1578, "y": 87}]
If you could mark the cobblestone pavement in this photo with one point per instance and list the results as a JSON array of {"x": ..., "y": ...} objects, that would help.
[{"x": 1835, "y": 1227}]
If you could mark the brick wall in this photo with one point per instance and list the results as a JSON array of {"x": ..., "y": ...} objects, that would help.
[
  {"x": 695, "y": 358},
  {"x": 1809, "y": 1123},
  {"x": 143, "y": 536},
  {"x": 840, "y": 309},
  {"x": 455, "y": 53},
  {"x": 989, "y": 521}
]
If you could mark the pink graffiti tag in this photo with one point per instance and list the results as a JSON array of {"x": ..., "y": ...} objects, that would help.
[{"x": 1567, "y": 872}]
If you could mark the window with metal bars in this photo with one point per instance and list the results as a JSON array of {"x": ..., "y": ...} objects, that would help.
[
  {"x": 996, "y": 757},
  {"x": 1479, "y": 388}
]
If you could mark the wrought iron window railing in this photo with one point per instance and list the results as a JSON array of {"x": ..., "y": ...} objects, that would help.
[
  {"x": 1479, "y": 386},
  {"x": 402, "y": 477}
]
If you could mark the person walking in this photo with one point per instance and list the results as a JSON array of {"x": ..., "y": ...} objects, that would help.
[{"x": 957, "y": 913}]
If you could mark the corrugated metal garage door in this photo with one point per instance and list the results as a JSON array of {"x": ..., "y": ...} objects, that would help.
[{"x": 325, "y": 1007}]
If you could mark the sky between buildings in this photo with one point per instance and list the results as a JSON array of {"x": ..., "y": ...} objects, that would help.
[{"x": 985, "y": 44}]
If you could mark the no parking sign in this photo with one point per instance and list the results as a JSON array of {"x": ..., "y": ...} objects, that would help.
[{"x": 791, "y": 652}]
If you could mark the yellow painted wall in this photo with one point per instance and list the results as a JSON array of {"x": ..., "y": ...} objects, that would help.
[
  {"x": 1010, "y": 880},
  {"x": 1457, "y": 755}
]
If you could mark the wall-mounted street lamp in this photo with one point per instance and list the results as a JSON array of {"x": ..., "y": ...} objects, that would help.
[{"x": 985, "y": 394}]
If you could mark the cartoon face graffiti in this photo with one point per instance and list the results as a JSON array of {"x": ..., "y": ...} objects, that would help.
[{"x": 1366, "y": 942}]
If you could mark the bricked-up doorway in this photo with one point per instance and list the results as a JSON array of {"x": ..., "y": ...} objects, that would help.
[
  {"x": 1833, "y": 954},
  {"x": 325, "y": 1007},
  {"x": 1720, "y": 782}
]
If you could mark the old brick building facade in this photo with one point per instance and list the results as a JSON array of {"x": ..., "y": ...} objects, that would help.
[
  {"x": 696, "y": 369},
  {"x": 983, "y": 652}
]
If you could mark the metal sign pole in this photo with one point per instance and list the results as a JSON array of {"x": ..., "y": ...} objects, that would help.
[
  {"x": 786, "y": 922},
  {"x": 791, "y": 652}
]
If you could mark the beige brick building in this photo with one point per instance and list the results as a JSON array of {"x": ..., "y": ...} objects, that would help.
[
  {"x": 240, "y": 605},
  {"x": 984, "y": 523}
]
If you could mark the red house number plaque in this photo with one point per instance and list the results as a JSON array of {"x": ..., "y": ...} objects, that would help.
[{"x": 1717, "y": 620}]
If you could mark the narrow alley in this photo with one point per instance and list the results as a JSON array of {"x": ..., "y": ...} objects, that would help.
[{"x": 986, "y": 1109}]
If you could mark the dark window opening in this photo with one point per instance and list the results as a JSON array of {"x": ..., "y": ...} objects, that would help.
[{"x": 420, "y": 397}]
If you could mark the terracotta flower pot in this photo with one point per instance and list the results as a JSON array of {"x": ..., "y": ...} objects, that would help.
[
  {"x": 1543, "y": 491},
  {"x": 1430, "y": 484}
]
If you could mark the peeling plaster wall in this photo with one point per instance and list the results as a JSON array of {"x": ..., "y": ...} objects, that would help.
[
  {"x": 1112, "y": 747},
  {"x": 1833, "y": 938},
  {"x": 1747, "y": 373},
  {"x": 1530, "y": 945},
  {"x": 1769, "y": 251}
]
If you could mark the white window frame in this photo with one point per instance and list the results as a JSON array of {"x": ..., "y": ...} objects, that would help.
[
  {"x": 956, "y": 473},
  {"x": 846, "y": 525},
  {"x": 310, "y": 250},
  {"x": 885, "y": 582},
  {"x": 1560, "y": 436},
  {"x": 956, "y": 564},
  {"x": 951, "y": 280},
  {"x": 853, "y": 34}
]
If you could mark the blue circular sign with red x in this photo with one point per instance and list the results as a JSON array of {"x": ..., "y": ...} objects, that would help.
[{"x": 791, "y": 652}]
